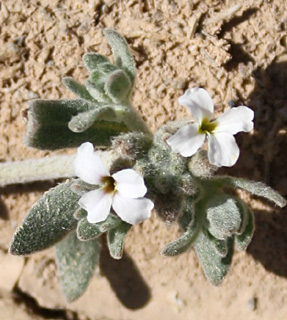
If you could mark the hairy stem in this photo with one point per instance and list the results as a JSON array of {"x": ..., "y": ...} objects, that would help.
[
  {"x": 36, "y": 170},
  {"x": 132, "y": 118},
  {"x": 47, "y": 168}
]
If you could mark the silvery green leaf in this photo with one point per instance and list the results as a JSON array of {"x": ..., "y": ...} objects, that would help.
[
  {"x": 93, "y": 60},
  {"x": 183, "y": 243},
  {"x": 85, "y": 120},
  {"x": 76, "y": 262},
  {"x": 80, "y": 187},
  {"x": 98, "y": 78},
  {"x": 115, "y": 239},
  {"x": 80, "y": 214},
  {"x": 223, "y": 215},
  {"x": 107, "y": 68},
  {"x": 77, "y": 88},
  {"x": 48, "y": 120},
  {"x": 185, "y": 218},
  {"x": 256, "y": 188},
  {"x": 87, "y": 231},
  {"x": 47, "y": 222},
  {"x": 215, "y": 266},
  {"x": 121, "y": 53},
  {"x": 242, "y": 241},
  {"x": 118, "y": 86},
  {"x": 221, "y": 246},
  {"x": 97, "y": 91},
  {"x": 110, "y": 223}
]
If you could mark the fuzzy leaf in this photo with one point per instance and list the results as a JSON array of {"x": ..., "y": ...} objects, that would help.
[
  {"x": 85, "y": 120},
  {"x": 93, "y": 60},
  {"x": 242, "y": 241},
  {"x": 256, "y": 188},
  {"x": 116, "y": 239},
  {"x": 76, "y": 88},
  {"x": 87, "y": 231},
  {"x": 80, "y": 187},
  {"x": 80, "y": 214},
  {"x": 221, "y": 246},
  {"x": 110, "y": 223},
  {"x": 107, "y": 68},
  {"x": 223, "y": 215},
  {"x": 181, "y": 244},
  {"x": 48, "y": 125},
  {"x": 47, "y": 222},
  {"x": 118, "y": 86},
  {"x": 97, "y": 91},
  {"x": 215, "y": 267},
  {"x": 191, "y": 230},
  {"x": 76, "y": 262},
  {"x": 121, "y": 53}
]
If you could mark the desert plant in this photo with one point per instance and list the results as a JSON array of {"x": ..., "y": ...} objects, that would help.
[{"x": 109, "y": 191}]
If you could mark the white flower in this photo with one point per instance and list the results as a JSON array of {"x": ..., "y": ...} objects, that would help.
[
  {"x": 123, "y": 191},
  {"x": 222, "y": 147}
]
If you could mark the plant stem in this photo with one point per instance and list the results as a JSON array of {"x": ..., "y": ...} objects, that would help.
[
  {"x": 48, "y": 168},
  {"x": 132, "y": 118},
  {"x": 36, "y": 170}
]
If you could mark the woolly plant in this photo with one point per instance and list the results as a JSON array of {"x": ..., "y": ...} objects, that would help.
[{"x": 104, "y": 193}]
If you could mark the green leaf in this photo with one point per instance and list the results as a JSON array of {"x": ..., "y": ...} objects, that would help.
[
  {"x": 80, "y": 187},
  {"x": 76, "y": 262},
  {"x": 185, "y": 218},
  {"x": 48, "y": 125},
  {"x": 181, "y": 244},
  {"x": 118, "y": 86},
  {"x": 215, "y": 266},
  {"x": 87, "y": 231},
  {"x": 223, "y": 215},
  {"x": 221, "y": 246},
  {"x": 47, "y": 222},
  {"x": 256, "y": 188},
  {"x": 85, "y": 120},
  {"x": 116, "y": 239},
  {"x": 80, "y": 214},
  {"x": 93, "y": 60},
  {"x": 97, "y": 91},
  {"x": 110, "y": 223},
  {"x": 242, "y": 241},
  {"x": 121, "y": 53},
  {"x": 107, "y": 68},
  {"x": 191, "y": 229},
  {"x": 77, "y": 88}
]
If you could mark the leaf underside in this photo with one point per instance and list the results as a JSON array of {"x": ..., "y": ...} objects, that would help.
[{"x": 48, "y": 125}]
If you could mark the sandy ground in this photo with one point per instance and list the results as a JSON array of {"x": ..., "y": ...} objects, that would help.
[{"x": 238, "y": 53}]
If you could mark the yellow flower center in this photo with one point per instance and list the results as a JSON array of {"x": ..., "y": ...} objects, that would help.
[
  {"x": 207, "y": 126},
  {"x": 109, "y": 184}
]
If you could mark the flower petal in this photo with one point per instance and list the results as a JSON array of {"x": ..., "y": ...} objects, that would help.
[
  {"x": 222, "y": 149},
  {"x": 187, "y": 140},
  {"x": 88, "y": 165},
  {"x": 132, "y": 210},
  {"x": 199, "y": 102},
  {"x": 235, "y": 120},
  {"x": 129, "y": 183},
  {"x": 98, "y": 205}
]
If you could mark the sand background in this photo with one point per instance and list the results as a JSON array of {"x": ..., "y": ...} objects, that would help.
[{"x": 238, "y": 53}]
